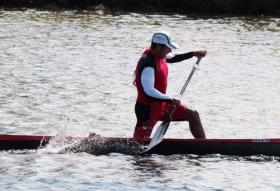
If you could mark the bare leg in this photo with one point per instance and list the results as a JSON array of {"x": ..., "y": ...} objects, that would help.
[{"x": 195, "y": 124}]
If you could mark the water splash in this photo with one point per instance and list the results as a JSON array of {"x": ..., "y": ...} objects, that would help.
[{"x": 59, "y": 143}]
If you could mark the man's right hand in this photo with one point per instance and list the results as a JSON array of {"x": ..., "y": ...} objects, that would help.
[{"x": 176, "y": 101}]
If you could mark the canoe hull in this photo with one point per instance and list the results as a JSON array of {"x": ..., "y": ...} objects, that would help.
[{"x": 105, "y": 145}]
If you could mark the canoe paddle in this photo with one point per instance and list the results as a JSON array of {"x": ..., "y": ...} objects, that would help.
[{"x": 161, "y": 130}]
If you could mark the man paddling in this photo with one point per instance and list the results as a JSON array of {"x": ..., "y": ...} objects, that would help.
[{"x": 152, "y": 104}]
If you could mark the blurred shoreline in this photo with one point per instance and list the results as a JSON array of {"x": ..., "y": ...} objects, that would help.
[{"x": 209, "y": 7}]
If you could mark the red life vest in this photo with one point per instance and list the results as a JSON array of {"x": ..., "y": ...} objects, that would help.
[{"x": 161, "y": 76}]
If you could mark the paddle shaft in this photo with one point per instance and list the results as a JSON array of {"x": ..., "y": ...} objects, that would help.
[{"x": 185, "y": 86}]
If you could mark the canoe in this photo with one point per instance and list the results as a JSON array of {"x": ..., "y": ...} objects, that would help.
[{"x": 103, "y": 145}]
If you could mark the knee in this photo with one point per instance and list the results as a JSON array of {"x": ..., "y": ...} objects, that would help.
[
  {"x": 142, "y": 132},
  {"x": 192, "y": 116},
  {"x": 195, "y": 116},
  {"x": 196, "y": 113}
]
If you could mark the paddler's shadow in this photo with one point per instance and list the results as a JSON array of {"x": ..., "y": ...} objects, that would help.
[
  {"x": 151, "y": 166},
  {"x": 146, "y": 165}
]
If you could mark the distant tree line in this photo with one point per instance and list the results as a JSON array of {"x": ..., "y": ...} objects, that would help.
[{"x": 206, "y": 7}]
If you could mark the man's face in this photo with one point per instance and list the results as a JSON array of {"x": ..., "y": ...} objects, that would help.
[{"x": 162, "y": 50}]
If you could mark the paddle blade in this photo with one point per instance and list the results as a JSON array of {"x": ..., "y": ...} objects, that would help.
[{"x": 159, "y": 134}]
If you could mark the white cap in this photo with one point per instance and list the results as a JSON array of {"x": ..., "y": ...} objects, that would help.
[{"x": 163, "y": 37}]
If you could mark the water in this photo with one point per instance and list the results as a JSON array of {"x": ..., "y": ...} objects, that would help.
[{"x": 71, "y": 73}]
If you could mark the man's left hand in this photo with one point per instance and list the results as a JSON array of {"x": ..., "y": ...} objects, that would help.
[{"x": 200, "y": 53}]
